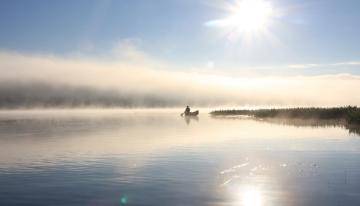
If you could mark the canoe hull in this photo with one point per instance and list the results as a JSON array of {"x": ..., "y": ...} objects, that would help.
[{"x": 193, "y": 113}]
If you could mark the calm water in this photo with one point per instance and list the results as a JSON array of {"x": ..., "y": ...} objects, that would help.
[{"x": 118, "y": 157}]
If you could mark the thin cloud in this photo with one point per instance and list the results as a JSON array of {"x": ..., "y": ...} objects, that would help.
[
  {"x": 339, "y": 64},
  {"x": 302, "y": 66}
]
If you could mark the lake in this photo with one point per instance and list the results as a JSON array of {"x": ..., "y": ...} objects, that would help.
[{"x": 157, "y": 157}]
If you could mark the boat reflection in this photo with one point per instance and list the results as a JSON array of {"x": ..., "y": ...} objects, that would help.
[{"x": 188, "y": 119}]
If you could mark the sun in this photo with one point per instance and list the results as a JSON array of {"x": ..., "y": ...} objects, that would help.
[
  {"x": 250, "y": 15},
  {"x": 246, "y": 17}
]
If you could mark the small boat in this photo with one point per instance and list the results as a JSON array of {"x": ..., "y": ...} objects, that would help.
[{"x": 192, "y": 113}]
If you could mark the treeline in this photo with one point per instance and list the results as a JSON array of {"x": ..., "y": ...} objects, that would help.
[{"x": 350, "y": 114}]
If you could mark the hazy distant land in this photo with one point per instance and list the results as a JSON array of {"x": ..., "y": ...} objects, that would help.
[{"x": 348, "y": 117}]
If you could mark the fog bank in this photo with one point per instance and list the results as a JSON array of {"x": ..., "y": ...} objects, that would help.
[{"x": 136, "y": 80}]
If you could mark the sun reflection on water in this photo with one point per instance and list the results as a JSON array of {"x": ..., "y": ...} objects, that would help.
[{"x": 250, "y": 196}]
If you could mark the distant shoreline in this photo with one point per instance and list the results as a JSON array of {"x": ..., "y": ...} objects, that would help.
[{"x": 349, "y": 115}]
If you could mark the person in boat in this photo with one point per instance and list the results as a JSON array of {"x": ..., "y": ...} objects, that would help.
[{"x": 187, "y": 110}]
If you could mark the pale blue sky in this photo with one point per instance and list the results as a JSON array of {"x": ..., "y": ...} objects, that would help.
[{"x": 322, "y": 32}]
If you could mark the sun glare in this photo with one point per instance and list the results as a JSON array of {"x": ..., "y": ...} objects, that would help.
[
  {"x": 247, "y": 17},
  {"x": 249, "y": 197},
  {"x": 251, "y": 15}
]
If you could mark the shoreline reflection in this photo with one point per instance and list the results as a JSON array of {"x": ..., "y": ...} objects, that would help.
[{"x": 297, "y": 122}]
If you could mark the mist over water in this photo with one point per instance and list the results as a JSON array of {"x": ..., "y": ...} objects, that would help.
[
  {"x": 136, "y": 80},
  {"x": 147, "y": 157}
]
